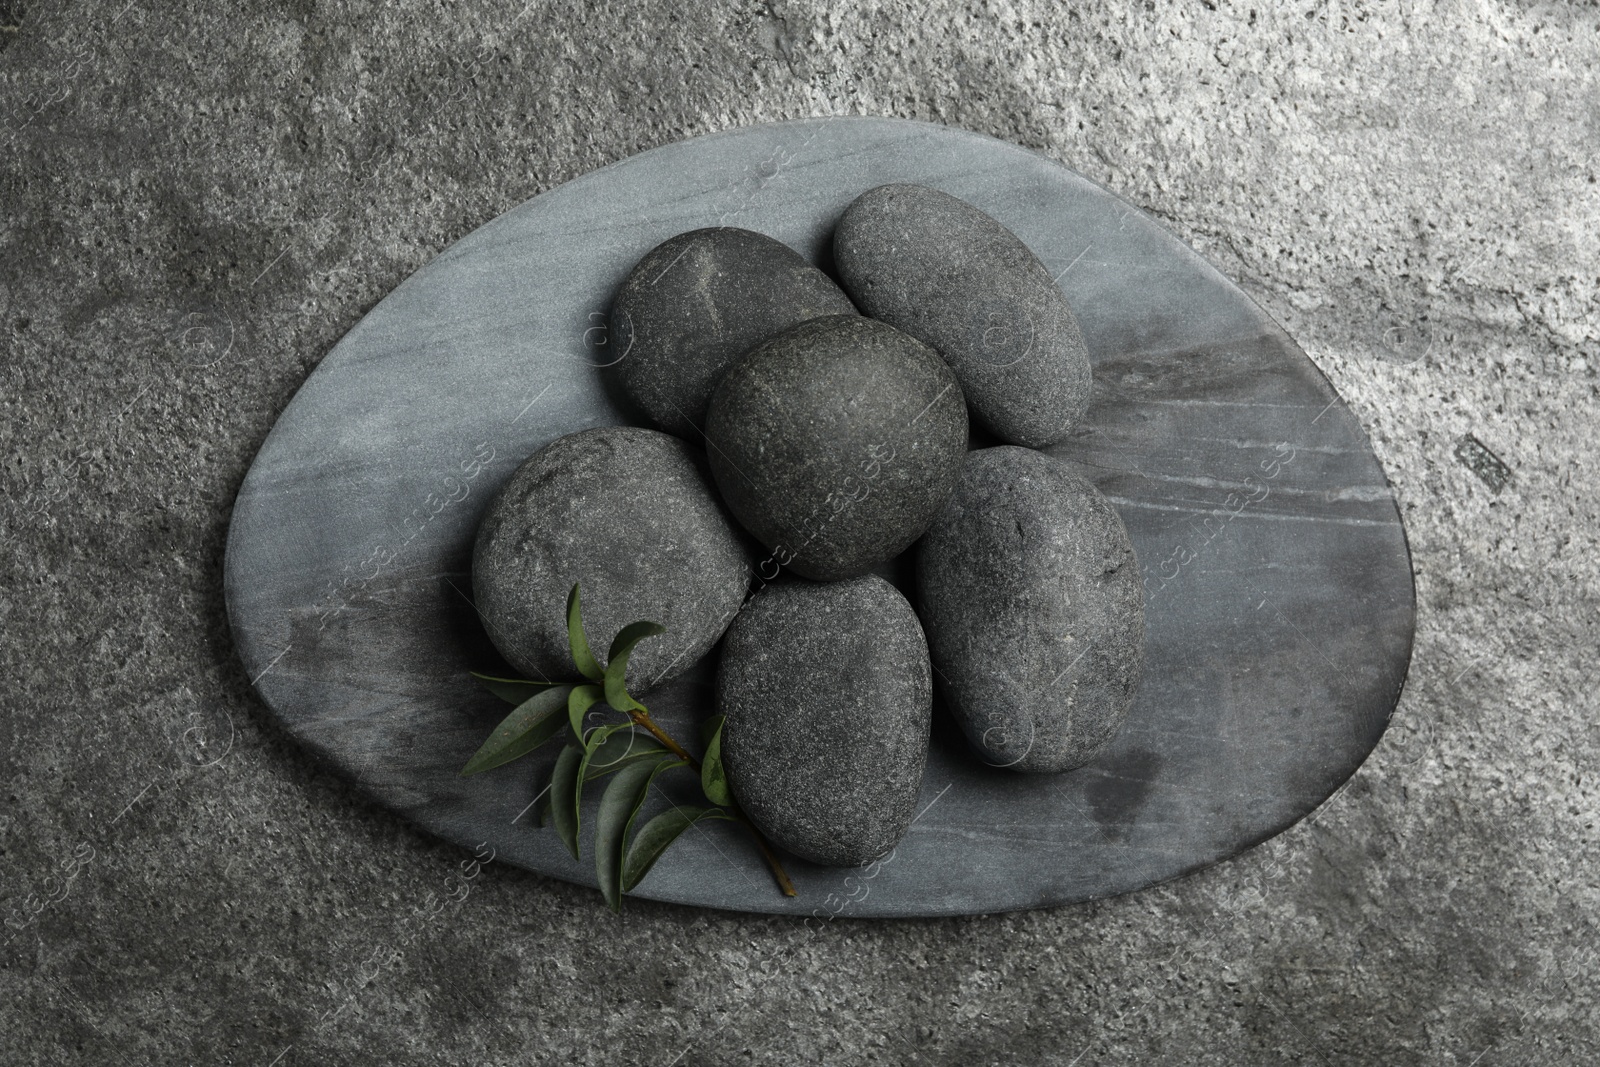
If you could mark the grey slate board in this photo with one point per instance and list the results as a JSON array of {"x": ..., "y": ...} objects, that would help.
[{"x": 1280, "y": 604}]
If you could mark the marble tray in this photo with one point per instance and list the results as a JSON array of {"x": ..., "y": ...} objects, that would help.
[{"x": 1280, "y": 604}]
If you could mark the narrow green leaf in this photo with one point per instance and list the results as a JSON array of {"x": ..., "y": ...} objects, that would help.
[
  {"x": 514, "y": 690},
  {"x": 532, "y": 723},
  {"x": 654, "y": 837},
  {"x": 710, "y": 728},
  {"x": 618, "y": 750},
  {"x": 600, "y": 738},
  {"x": 617, "y": 663},
  {"x": 565, "y": 797},
  {"x": 591, "y": 744},
  {"x": 577, "y": 641},
  {"x": 618, "y": 805},
  {"x": 713, "y": 778},
  {"x": 663, "y": 765},
  {"x": 579, "y": 701}
]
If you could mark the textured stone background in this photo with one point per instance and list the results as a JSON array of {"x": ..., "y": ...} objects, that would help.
[{"x": 198, "y": 203}]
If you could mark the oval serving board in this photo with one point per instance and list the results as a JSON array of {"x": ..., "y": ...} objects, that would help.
[{"x": 1279, "y": 596}]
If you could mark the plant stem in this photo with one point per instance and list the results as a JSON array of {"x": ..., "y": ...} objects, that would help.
[
  {"x": 641, "y": 717},
  {"x": 778, "y": 873}
]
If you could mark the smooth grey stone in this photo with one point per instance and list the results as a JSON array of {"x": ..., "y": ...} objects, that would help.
[
  {"x": 1281, "y": 606},
  {"x": 694, "y": 305},
  {"x": 953, "y": 277},
  {"x": 629, "y": 515},
  {"x": 836, "y": 442},
  {"x": 828, "y": 699},
  {"x": 1029, "y": 588}
]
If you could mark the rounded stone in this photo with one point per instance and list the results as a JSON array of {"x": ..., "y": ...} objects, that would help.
[
  {"x": 828, "y": 698},
  {"x": 836, "y": 442},
  {"x": 630, "y": 515},
  {"x": 953, "y": 277},
  {"x": 694, "y": 305},
  {"x": 1034, "y": 608}
]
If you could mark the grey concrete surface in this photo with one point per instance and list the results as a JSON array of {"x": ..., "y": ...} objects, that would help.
[{"x": 196, "y": 203}]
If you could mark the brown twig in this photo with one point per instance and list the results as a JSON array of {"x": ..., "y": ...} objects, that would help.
[
  {"x": 778, "y": 873},
  {"x": 641, "y": 717}
]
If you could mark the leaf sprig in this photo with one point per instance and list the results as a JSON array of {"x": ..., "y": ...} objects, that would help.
[{"x": 632, "y": 753}]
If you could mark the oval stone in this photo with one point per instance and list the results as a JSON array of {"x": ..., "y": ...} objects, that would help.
[
  {"x": 828, "y": 700},
  {"x": 836, "y": 443},
  {"x": 951, "y": 276},
  {"x": 1034, "y": 609},
  {"x": 628, "y": 513},
  {"x": 694, "y": 305}
]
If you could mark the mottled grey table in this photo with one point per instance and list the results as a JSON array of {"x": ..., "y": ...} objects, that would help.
[{"x": 1280, "y": 605}]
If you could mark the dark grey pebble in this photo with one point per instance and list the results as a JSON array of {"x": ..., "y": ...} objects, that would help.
[
  {"x": 836, "y": 442},
  {"x": 828, "y": 700},
  {"x": 1034, "y": 608},
  {"x": 631, "y": 515},
  {"x": 694, "y": 305},
  {"x": 951, "y": 276}
]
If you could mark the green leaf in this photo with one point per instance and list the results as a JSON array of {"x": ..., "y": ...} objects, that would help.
[
  {"x": 713, "y": 778},
  {"x": 654, "y": 837},
  {"x": 577, "y": 641},
  {"x": 514, "y": 690},
  {"x": 533, "y": 722},
  {"x": 710, "y": 728},
  {"x": 565, "y": 797},
  {"x": 618, "y": 806},
  {"x": 662, "y": 765},
  {"x": 618, "y": 750},
  {"x": 579, "y": 701},
  {"x": 598, "y": 739},
  {"x": 591, "y": 744},
  {"x": 617, "y": 663}
]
